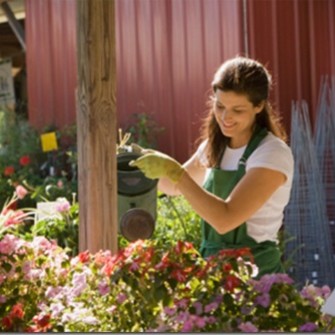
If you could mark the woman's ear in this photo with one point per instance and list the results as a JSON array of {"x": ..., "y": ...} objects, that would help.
[{"x": 260, "y": 106}]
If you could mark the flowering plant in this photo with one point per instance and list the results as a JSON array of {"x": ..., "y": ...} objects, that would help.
[
  {"x": 22, "y": 161},
  {"x": 145, "y": 287},
  {"x": 62, "y": 225},
  {"x": 10, "y": 218}
]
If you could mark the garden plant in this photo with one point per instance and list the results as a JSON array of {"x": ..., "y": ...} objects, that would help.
[{"x": 157, "y": 285}]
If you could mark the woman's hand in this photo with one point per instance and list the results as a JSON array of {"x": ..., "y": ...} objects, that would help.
[{"x": 155, "y": 164}]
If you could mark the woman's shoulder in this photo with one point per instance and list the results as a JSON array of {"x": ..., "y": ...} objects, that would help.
[
  {"x": 272, "y": 142},
  {"x": 274, "y": 153}
]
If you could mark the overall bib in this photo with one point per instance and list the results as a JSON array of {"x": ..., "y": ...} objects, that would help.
[{"x": 221, "y": 182}]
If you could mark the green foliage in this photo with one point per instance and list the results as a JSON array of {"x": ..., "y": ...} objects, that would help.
[
  {"x": 176, "y": 221},
  {"x": 17, "y": 138},
  {"x": 23, "y": 162},
  {"x": 62, "y": 228},
  {"x": 18, "y": 141},
  {"x": 144, "y": 130}
]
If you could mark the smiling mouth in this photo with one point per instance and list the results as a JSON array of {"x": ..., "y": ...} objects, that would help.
[{"x": 228, "y": 125}]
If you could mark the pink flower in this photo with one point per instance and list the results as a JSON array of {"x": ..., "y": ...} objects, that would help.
[
  {"x": 187, "y": 326},
  {"x": 200, "y": 322},
  {"x": 9, "y": 244},
  {"x": 308, "y": 327},
  {"x": 13, "y": 217},
  {"x": 248, "y": 327},
  {"x": 211, "y": 307},
  {"x": 134, "y": 266},
  {"x": 263, "y": 300},
  {"x": 56, "y": 309},
  {"x": 40, "y": 242},
  {"x": 121, "y": 298},
  {"x": 169, "y": 311},
  {"x": 52, "y": 292},
  {"x": 79, "y": 282},
  {"x": 21, "y": 191},
  {"x": 63, "y": 205},
  {"x": 103, "y": 288}
]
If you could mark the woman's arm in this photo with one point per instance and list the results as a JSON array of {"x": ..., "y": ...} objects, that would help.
[
  {"x": 250, "y": 194},
  {"x": 195, "y": 171}
]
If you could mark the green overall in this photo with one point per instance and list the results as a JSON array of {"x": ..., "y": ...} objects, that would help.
[{"x": 221, "y": 182}]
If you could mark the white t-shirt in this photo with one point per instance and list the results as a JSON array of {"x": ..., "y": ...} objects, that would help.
[{"x": 272, "y": 153}]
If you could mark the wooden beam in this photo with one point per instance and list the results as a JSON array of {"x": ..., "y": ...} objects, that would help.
[
  {"x": 14, "y": 23},
  {"x": 96, "y": 121}
]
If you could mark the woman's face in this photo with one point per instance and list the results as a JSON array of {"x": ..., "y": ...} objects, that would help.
[{"x": 235, "y": 115}]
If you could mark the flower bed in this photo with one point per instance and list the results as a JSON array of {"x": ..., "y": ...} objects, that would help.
[{"x": 148, "y": 288}]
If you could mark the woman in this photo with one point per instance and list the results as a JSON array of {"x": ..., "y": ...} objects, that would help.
[{"x": 239, "y": 180}]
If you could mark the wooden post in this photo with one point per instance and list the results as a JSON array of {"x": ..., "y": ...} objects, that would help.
[{"x": 96, "y": 122}]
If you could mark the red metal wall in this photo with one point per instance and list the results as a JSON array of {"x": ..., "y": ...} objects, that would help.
[
  {"x": 168, "y": 50},
  {"x": 51, "y": 61},
  {"x": 296, "y": 38}
]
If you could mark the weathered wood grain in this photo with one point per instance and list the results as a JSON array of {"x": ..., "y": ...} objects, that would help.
[{"x": 96, "y": 120}]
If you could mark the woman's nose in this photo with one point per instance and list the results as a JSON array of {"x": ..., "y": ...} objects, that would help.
[{"x": 226, "y": 115}]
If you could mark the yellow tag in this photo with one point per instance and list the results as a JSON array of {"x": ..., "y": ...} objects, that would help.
[{"x": 49, "y": 141}]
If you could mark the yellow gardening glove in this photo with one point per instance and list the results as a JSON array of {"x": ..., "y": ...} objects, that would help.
[
  {"x": 139, "y": 150},
  {"x": 157, "y": 165}
]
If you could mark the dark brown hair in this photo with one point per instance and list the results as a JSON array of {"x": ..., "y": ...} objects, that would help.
[{"x": 243, "y": 76}]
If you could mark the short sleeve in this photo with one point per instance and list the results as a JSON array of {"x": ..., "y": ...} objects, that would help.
[
  {"x": 201, "y": 154},
  {"x": 275, "y": 154}
]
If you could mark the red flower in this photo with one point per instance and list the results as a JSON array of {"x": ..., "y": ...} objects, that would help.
[
  {"x": 179, "y": 275},
  {"x": 227, "y": 267},
  {"x": 17, "y": 311},
  {"x": 84, "y": 256},
  {"x": 42, "y": 321},
  {"x": 231, "y": 283},
  {"x": 164, "y": 263},
  {"x": 12, "y": 206},
  {"x": 7, "y": 322},
  {"x": 25, "y": 160},
  {"x": 9, "y": 170},
  {"x": 31, "y": 329}
]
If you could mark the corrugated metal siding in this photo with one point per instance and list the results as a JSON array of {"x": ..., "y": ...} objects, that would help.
[
  {"x": 296, "y": 39},
  {"x": 51, "y": 61},
  {"x": 168, "y": 50}
]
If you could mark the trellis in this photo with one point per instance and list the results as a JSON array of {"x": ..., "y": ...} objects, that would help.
[
  {"x": 325, "y": 146},
  {"x": 309, "y": 244}
]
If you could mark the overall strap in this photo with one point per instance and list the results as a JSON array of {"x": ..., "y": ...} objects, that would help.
[{"x": 256, "y": 138}]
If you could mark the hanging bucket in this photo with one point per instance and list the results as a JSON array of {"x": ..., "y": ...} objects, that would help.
[{"x": 137, "y": 199}]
